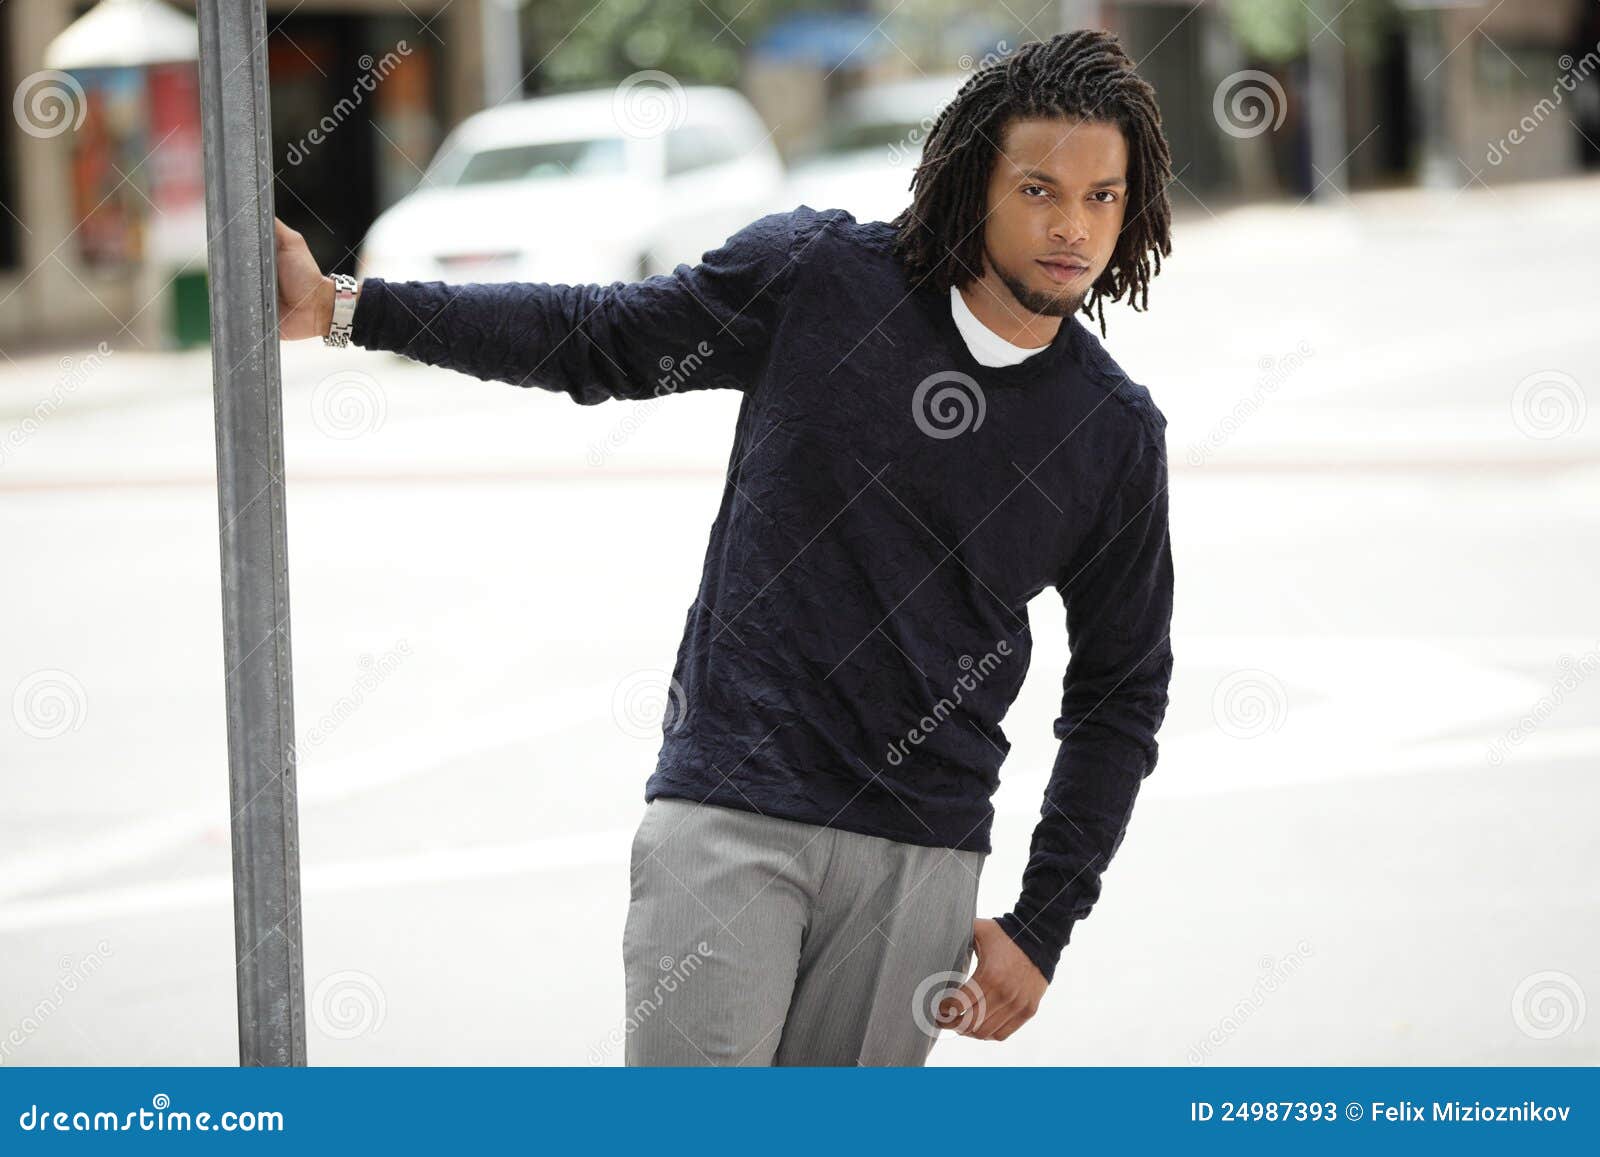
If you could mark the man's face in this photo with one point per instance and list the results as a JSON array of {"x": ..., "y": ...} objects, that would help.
[{"x": 1056, "y": 200}]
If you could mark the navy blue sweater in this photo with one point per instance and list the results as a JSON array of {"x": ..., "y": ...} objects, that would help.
[{"x": 891, "y": 507}]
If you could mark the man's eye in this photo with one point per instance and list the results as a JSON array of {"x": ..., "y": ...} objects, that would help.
[
  {"x": 1041, "y": 188},
  {"x": 1106, "y": 193}
]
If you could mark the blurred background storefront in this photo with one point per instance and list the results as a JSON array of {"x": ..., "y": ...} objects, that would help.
[
  {"x": 1364, "y": 94},
  {"x": 89, "y": 194}
]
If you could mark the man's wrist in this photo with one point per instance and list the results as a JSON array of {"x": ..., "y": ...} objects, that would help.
[
  {"x": 325, "y": 295},
  {"x": 1045, "y": 956}
]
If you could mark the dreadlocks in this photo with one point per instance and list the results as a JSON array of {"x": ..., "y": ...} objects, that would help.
[{"x": 1084, "y": 75}]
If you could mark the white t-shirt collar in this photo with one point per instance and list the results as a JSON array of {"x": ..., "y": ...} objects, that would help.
[{"x": 988, "y": 348}]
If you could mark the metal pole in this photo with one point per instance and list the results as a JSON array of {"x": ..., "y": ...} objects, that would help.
[
  {"x": 247, "y": 388},
  {"x": 500, "y": 25},
  {"x": 1426, "y": 57},
  {"x": 1329, "y": 176}
]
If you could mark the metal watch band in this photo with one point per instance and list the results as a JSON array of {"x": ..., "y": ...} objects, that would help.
[{"x": 344, "y": 310}]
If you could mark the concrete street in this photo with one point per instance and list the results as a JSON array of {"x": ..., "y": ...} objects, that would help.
[{"x": 1370, "y": 838}]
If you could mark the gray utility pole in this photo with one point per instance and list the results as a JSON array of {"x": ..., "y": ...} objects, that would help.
[
  {"x": 1325, "y": 104},
  {"x": 501, "y": 29},
  {"x": 248, "y": 390}
]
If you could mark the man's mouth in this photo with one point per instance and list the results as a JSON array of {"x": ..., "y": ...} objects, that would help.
[{"x": 1063, "y": 271}]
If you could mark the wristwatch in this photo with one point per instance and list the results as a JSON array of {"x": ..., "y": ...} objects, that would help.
[{"x": 344, "y": 310}]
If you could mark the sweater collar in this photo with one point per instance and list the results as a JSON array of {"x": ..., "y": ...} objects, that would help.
[{"x": 1048, "y": 361}]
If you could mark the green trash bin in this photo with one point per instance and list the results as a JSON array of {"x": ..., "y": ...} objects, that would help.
[{"x": 191, "y": 307}]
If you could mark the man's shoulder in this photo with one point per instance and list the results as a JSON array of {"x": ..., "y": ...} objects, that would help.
[
  {"x": 832, "y": 237},
  {"x": 1133, "y": 399}
]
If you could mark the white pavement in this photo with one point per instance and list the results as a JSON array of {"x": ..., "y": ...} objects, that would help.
[{"x": 1369, "y": 839}]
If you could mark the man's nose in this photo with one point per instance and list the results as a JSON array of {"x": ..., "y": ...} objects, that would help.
[{"x": 1070, "y": 227}]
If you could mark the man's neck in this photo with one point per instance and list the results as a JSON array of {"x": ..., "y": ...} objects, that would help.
[{"x": 1001, "y": 314}]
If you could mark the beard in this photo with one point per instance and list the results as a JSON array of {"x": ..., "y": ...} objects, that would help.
[{"x": 1039, "y": 301}]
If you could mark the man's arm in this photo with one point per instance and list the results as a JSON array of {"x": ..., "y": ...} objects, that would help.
[
  {"x": 704, "y": 326},
  {"x": 1118, "y": 595}
]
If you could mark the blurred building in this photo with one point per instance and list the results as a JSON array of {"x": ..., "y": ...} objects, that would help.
[
  {"x": 1452, "y": 92},
  {"x": 354, "y": 117},
  {"x": 1433, "y": 100},
  {"x": 1385, "y": 93}
]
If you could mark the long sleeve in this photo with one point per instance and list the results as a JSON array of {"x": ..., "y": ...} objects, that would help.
[
  {"x": 704, "y": 326},
  {"x": 1118, "y": 596}
]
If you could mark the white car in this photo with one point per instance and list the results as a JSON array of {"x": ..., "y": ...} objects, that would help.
[
  {"x": 582, "y": 188},
  {"x": 871, "y": 144}
]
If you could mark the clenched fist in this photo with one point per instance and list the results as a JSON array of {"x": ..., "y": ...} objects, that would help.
[
  {"x": 1003, "y": 992},
  {"x": 305, "y": 296}
]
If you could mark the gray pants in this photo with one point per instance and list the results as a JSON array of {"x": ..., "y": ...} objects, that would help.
[{"x": 753, "y": 940}]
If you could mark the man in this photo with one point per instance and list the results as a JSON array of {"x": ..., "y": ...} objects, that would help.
[{"x": 928, "y": 438}]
